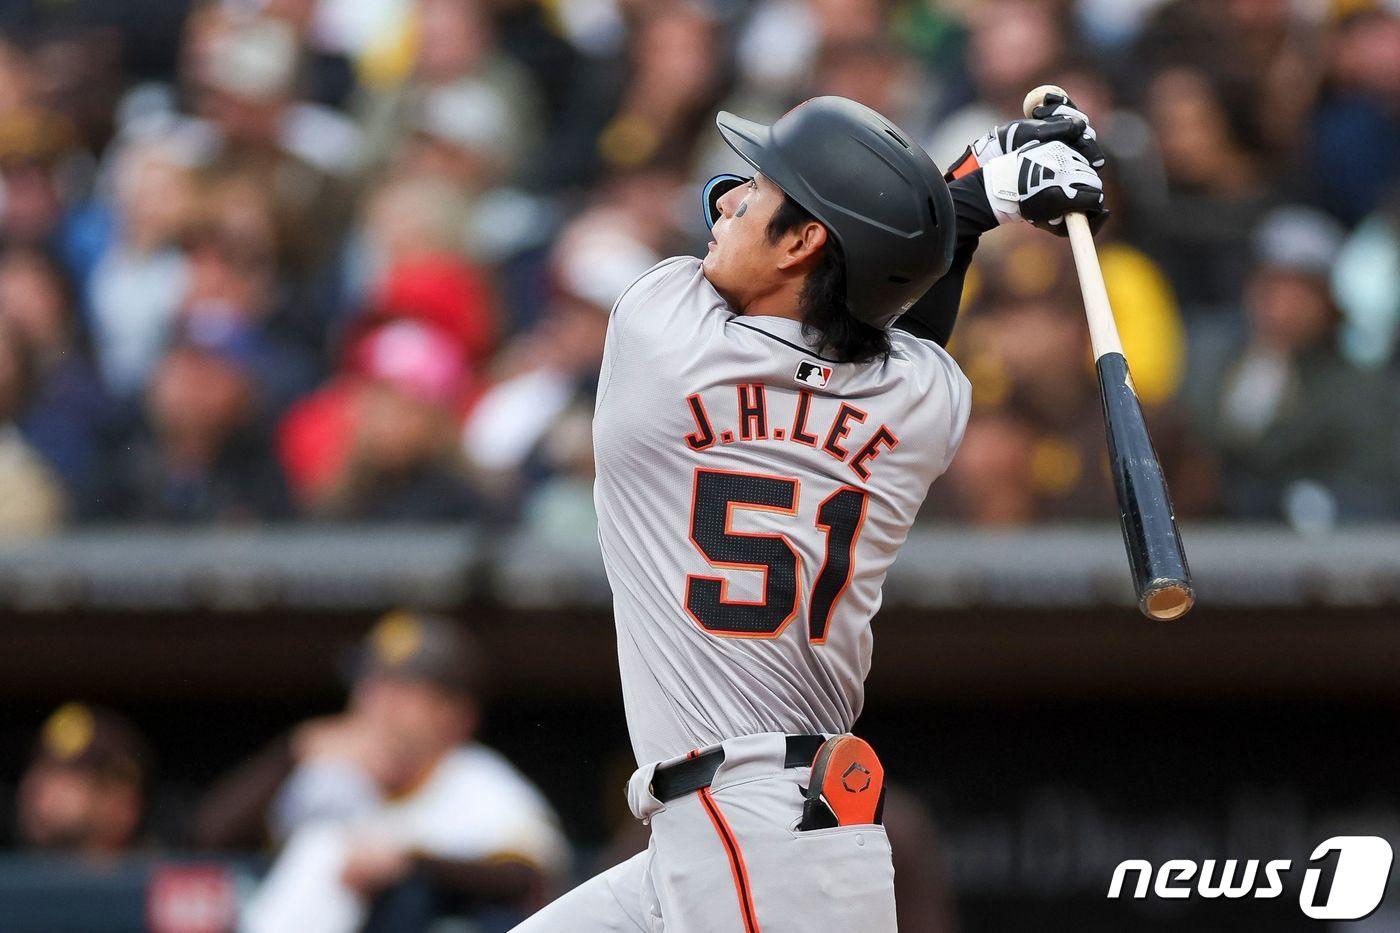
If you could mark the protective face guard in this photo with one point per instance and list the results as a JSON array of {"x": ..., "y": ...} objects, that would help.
[{"x": 715, "y": 189}]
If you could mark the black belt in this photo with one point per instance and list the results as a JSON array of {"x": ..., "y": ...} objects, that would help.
[{"x": 686, "y": 777}]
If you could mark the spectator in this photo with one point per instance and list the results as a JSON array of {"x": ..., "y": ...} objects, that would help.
[
  {"x": 413, "y": 234},
  {"x": 318, "y": 170},
  {"x": 1366, "y": 281},
  {"x": 1012, "y": 46},
  {"x": 17, "y": 79},
  {"x": 138, "y": 274},
  {"x": 1217, "y": 189},
  {"x": 1303, "y": 434},
  {"x": 1034, "y": 450},
  {"x": 530, "y": 432},
  {"x": 201, "y": 455},
  {"x": 670, "y": 96},
  {"x": 1049, "y": 411},
  {"x": 80, "y": 77},
  {"x": 464, "y": 107},
  {"x": 778, "y": 47},
  {"x": 33, "y": 145},
  {"x": 1354, "y": 151},
  {"x": 83, "y": 792},
  {"x": 993, "y": 481},
  {"x": 69, "y": 420},
  {"x": 241, "y": 71},
  {"x": 394, "y": 792},
  {"x": 1269, "y": 55},
  {"x": 400, "y": 464},
  {"x": 877, "y": 74},
  {"x": 34, "y": 501},
  {"x": 232, "y": 251}
]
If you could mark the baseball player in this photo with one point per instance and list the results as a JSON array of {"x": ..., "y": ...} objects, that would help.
[{"x": 768, "y": 422}]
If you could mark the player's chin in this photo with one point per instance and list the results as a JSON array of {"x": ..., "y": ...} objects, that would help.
[
  {"x": 716, "y": 270},
  {"x": 710, "y": 265}
]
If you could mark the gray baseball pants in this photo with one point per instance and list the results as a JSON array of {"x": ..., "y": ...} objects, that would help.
[{"x": 729, "y": 859}]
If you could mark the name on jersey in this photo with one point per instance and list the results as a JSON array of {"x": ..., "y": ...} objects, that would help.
[{"x": 757, "y": 423}]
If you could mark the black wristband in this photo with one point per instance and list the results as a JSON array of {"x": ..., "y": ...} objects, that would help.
[{"x": 970, "y": 204}]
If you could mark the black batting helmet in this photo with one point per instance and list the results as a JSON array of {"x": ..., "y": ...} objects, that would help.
[{"x": 875, "y": 190}]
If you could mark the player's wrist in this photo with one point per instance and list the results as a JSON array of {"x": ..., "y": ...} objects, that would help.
[
  {"x": 971, "y": 206},
  {"x": 999, "y": 185}
]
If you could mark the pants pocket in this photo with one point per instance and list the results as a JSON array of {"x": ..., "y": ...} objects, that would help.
[{"x": 847, "y": 876}]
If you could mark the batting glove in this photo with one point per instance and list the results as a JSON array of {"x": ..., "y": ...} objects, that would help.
[
  {"x": 1055, "y": 120},
  {"x": 1040, "y": 183}
]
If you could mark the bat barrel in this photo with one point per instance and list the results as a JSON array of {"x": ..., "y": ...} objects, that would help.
[{"x": 1161, "y": 577}]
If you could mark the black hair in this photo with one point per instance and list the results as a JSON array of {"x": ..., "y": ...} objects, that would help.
[{"x": 825, "y": 315}]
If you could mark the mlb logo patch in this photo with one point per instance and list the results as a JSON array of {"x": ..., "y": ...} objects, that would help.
[{"x": 813, "y": 374}]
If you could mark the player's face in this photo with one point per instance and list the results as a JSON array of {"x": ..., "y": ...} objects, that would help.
[{"x": 742, "y": 264}]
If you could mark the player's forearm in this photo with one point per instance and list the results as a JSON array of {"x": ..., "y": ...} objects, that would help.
[
  {"x": 233, "y": 815},
  {"x": 933, "y": 315},
  {"x": 497, "y": 881}
]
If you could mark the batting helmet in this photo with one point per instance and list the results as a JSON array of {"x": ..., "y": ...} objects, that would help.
[{"x": 878, "y": 193}]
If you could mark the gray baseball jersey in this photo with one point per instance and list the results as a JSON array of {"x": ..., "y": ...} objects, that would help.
[{"x": 751, "y": 496}]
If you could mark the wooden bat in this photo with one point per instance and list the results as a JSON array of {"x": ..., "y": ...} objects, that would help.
[{"x": 1156, "y": 556}]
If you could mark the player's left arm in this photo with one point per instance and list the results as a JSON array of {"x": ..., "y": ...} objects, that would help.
[
  {"x": 1001, "y": 178},
  {"x": 932, "y": 316}
]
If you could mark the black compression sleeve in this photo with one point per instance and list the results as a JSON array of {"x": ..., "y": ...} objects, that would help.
[{"x": 933, "y": 315}]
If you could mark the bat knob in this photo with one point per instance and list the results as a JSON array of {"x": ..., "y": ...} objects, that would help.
[{"x": 1037, "y": 97}]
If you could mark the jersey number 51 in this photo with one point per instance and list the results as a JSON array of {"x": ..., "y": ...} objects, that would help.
[{"x": 717, "y": 494}]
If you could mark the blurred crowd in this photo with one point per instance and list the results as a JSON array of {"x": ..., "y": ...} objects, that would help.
[{"x": 351, "y": 260}]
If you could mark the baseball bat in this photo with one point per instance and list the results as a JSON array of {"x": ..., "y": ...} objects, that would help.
[{"x": 1156, "y": 556}]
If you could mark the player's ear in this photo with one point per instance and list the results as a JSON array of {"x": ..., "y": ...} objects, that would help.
[{"x": 802, "y": 243}]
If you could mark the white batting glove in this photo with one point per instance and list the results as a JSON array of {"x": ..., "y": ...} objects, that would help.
[
  {"x": 1055, "y": 120},
  {"x": 1040, "y": 183}
]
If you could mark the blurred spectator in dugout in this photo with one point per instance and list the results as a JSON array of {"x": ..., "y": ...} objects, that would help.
[
  {"x": 391, "y": 814},
  {"x": 84, "y": 790}
]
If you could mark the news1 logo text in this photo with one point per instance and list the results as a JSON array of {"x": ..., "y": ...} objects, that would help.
[{"x": 1344, "y": 879}]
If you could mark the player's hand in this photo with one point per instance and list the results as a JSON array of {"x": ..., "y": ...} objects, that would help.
[
  {"x": 1055, "y": 112},
  {"x": 347, "y": 739},
  {"x": 1040, "y": 183},
  {"x": 1055, "y": 120}
]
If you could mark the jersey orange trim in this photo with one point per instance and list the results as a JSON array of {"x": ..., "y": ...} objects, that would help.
[{"x": 736, "y": 860}]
